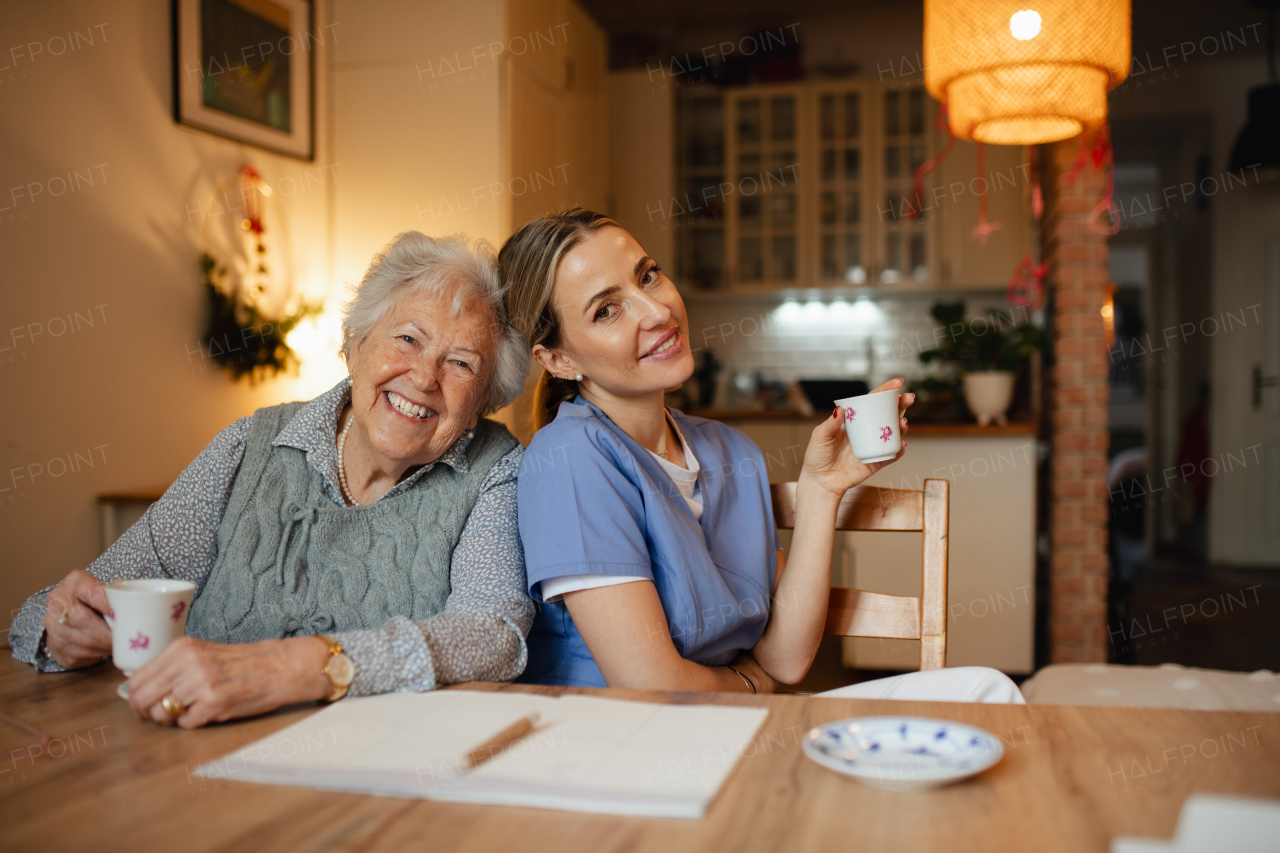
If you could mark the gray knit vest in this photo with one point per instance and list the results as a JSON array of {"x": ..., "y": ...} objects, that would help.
[{"x": 291, "y": 562}]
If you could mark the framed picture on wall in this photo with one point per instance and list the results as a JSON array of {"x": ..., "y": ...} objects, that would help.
[{"x": 244, "y": 69}]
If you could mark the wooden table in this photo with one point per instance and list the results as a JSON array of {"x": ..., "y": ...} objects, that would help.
[{"x": 1071, "y": 779}]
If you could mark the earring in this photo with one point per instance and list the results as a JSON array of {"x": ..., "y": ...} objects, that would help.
[{"x": 577, "y": 377}]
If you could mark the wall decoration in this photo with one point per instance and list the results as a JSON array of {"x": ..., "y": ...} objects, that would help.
[
  {"x": 244, "y": 69},
  {"x": 251, "y": 305}
]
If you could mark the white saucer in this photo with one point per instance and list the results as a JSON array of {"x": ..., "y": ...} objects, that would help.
[{"x": 902, "y": 753}]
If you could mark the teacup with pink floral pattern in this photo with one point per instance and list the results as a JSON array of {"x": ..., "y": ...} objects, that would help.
[
  {"x": 871, "y": 422},
  {"x": 146, "y": 615}
]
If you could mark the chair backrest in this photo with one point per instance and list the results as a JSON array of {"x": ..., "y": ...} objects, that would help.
[{"x": 854, "y": 613}]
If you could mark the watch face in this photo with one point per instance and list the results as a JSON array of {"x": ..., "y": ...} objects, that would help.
[{"x": 341, "y": 670}]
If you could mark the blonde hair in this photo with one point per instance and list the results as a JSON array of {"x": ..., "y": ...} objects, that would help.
[{"x": 527, "y": 265}]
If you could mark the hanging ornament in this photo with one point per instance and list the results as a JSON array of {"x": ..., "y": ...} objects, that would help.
[
  {"x": 1037, "y": 195},
  {"x": 1096, "y": 148},
  {"x": 984, "y": 228},
  {"x": 917, "y": 186},
  {"x": 1018, "y": 76},
  {"x": 1026, "y": 287},
  {"x": 247, "y": 283}
]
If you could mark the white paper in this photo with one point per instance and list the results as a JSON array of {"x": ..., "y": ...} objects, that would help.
[{"x": 587, "y": 753}]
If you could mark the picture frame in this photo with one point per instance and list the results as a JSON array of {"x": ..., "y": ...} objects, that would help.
[{"x": 245, "y": 70}]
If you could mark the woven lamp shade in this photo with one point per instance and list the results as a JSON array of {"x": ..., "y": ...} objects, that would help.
[{"x": 1050, "y": 84}]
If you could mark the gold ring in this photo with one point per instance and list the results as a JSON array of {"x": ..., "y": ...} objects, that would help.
[{"x": 172, "y": 706}]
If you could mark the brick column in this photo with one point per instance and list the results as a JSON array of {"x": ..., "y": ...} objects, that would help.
[{"x": 1078, "y": 394}]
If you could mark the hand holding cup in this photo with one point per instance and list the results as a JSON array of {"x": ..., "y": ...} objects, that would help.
[
  {"x": 832, "y": 463},
  {"x": 146, "y": 616},
  {"x": 76, "y": 632}
]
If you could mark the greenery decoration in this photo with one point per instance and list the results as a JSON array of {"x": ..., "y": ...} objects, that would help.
[
  {"x": 983, "y": 343},
  {"x": 242, "y": 339}
]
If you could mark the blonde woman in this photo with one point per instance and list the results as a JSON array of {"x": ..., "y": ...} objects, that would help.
[{"x": 649, "y": 535}]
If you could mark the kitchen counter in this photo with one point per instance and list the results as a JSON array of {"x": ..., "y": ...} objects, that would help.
[{"x": 732, "y": 416}]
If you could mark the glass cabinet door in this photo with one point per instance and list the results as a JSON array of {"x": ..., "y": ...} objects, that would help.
[
  {"x": 764, "y": 170},
  {"x": 697, "y": 210},
  {"x": 803, "y": 185},
  {"x": 841, "y": 182},
  {"x": 904, "y": 249}
]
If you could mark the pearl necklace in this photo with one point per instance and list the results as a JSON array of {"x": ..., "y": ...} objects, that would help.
[{"x": 342, "y": 469}]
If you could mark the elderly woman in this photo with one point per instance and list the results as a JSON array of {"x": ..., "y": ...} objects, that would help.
[{"x": 373, "y": 527}]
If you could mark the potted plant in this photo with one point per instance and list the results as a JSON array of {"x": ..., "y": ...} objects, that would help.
[{"x": 987, "y": 352}]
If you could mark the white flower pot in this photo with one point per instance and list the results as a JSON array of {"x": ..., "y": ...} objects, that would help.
[{"x": 988, "y": 394}]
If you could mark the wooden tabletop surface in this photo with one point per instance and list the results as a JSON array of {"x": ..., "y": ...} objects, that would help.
[{"x": 1071, "y": 779}]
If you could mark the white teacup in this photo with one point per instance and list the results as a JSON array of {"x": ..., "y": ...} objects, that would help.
[
  {"x": 871, "y": 422},
  {"x": 149, "y": 615}
]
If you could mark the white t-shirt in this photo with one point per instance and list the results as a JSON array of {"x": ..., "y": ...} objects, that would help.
[{"x": 685, "y": 479}]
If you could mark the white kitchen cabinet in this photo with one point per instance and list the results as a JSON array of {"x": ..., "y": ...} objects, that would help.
[
  {"x": 794, "y": 185},
  {"x": 775, "y": 187}
]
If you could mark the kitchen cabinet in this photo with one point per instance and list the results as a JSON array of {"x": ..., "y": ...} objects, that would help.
[
  {"x": 810, "y": 184},
  {"x": 800, "y": 184},
  {"x": 991, "y": 572}
]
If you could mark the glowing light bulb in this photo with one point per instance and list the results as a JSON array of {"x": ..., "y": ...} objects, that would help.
[{"x": 1025, "y": 25}]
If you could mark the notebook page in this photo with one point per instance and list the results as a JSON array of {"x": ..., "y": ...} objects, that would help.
[
  {"x": 394, "y": 743},
  {"x": 587, "y": 754},
  {"x": 618, "y": 757}
]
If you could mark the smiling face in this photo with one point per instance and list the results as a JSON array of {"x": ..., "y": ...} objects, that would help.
[
  {"x": 622, "y": 323},
  {"x": 418, "y": 379}
]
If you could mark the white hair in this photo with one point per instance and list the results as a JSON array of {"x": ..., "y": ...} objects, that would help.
[{"x": 414, "y": 262}]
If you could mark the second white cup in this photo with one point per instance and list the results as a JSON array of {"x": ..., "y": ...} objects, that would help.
[
  {"x": 871, "y": 422},
  {"x": 149, "y": 615}
]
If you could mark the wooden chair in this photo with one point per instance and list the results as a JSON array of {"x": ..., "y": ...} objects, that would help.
[{"x": 854, "y": 613}]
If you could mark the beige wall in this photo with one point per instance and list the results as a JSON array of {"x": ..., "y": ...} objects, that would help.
[
  {"x": 422, "y": 144},
  {"x": 126, "y": 391},
  {"x": 642, "y": 159}
]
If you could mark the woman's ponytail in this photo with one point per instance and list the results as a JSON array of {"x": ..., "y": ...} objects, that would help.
[{"x": 549, "y": 393}]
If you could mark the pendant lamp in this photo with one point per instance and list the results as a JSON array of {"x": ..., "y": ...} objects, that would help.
[{"x": 1024, "y": 72}]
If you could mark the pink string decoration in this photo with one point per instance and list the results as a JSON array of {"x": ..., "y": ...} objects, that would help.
[
  {"x": 1026, "y": 286},
  {"x": 1102, "y": 154},
  {"x": 917, "y": 187},
  {"x": 1037, "y": 194},
  {"x": 984, "y": 228}
]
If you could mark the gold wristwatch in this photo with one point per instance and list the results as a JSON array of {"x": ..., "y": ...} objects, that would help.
[{"x": 340, "y": 670}]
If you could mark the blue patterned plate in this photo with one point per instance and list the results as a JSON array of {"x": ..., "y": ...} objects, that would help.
[{"x": 902, "y": 753}]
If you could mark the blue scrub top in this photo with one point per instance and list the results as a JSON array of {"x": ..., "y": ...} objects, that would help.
[{"x": 593, "y": 501}]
